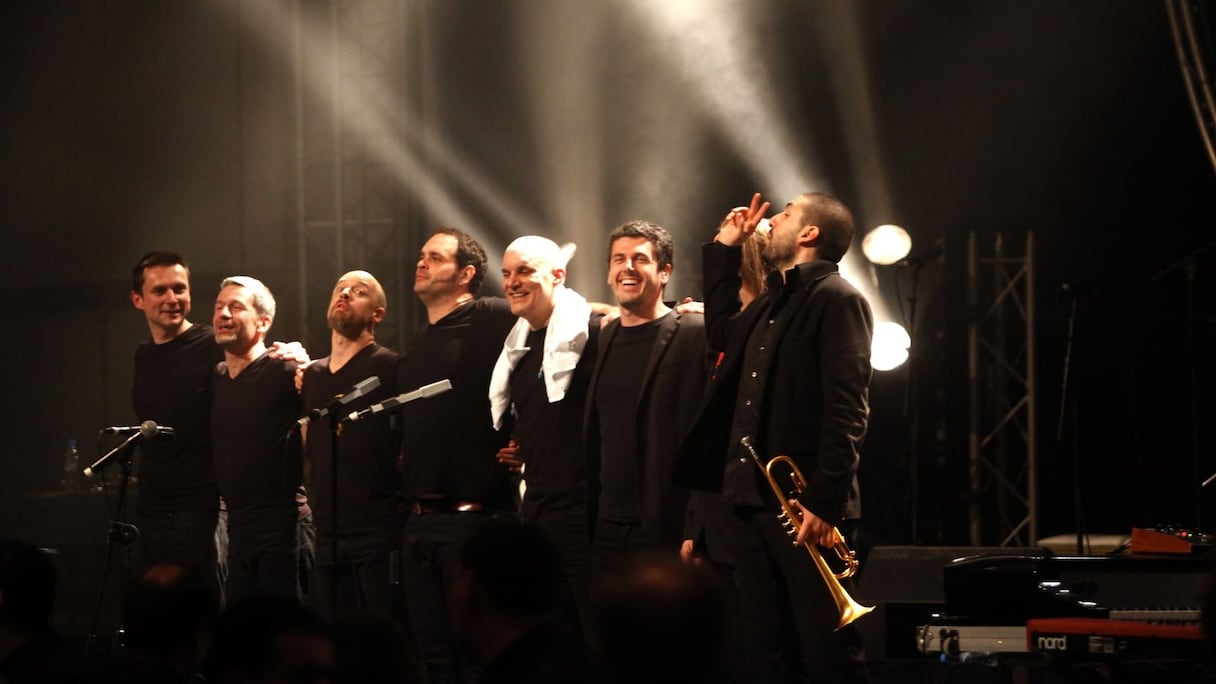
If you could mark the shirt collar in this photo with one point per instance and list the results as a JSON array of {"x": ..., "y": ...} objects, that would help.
[{"x": 802, "y": 274}]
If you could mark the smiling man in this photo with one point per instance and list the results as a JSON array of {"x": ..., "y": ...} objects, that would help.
[
  {"x": 542, "y": 376},
  {"x": 368, "y": 483},
  {"x": 178, "y": 499},
  {"x": 257, "y": 451},
  {"x": 644, "y": 389}
]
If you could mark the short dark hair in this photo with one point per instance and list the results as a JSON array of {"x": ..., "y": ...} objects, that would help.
[
  {"x": 664, "y": 246},
  {"x": 27, "y": 582},
  {"x": 516, "y": 563},
  {"x": 156, "y": 258},
  {"x": 835, "y": 222},
  {"x": 469, "y": 252}
]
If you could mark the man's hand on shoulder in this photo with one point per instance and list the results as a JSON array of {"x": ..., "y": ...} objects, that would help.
[
  {"x": 290, "y": 351},
  {"x": 690, "y": 306},
  {"x": 611, "y": 313}
]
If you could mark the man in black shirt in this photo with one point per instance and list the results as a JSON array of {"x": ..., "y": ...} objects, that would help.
[
  {"x": 178, "y": 502},
  {"x": 542, "y": 376},
  {"x": 450, "y": 475},
  {"x": 647, "y": 381},
  {"x": 794, "y": 379},
  {"x": 367, "y": 478},
  {"x": 257, "y": 449}
]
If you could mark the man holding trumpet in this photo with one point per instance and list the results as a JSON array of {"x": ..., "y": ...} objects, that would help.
[{"x": 793, "y": 381}]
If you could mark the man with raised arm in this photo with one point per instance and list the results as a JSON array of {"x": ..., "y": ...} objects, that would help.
[{"x": 793, "y": 380}]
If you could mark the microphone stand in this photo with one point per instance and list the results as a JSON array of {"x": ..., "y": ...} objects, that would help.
[
  {"x": 1078, "y": 517},
  {"x": 335, "y": 428},
  {"x": 912, "y": 408},
  {"x": 120, "y": 534},
  {"x": 1190, "y": 270}
]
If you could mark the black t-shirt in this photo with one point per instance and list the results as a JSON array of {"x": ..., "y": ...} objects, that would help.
[
  {"x": 253, "y": 428},
  {"x": 550, "y": 434},
  {"x": 172, "y": 386},
  {"x": 616, "y": 402},
  {"x": 368, "y": 481},
  {"x": 449, "y": 442}
]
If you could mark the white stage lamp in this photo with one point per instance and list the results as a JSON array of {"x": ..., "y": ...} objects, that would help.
[
  {"x": 889, "y": 348},
  {"x": 886, "y": 244}
]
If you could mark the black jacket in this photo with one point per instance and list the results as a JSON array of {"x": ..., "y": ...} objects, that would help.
[
  {"x": 671, "y": 388},
  {"x": 815, "y": 405}
]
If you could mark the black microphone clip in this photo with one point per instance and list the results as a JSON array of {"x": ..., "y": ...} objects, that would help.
[
  {"x": 404, "y": 398},
  {"x": 147, "y": 430},
  {"x": 341, "y": 400},
  {"x": 923, "y": 256}
]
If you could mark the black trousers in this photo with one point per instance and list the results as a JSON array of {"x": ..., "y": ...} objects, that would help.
[
  {"x": 186, "y": 537},
  {"x": 430, "y": 561},
  {"x": 365, "y": 575},
  {"x": 571, "y": 533},
  {"x": 615, "y": 544},
  {"x": 263, "y": 553},
  {"x": 788, "y": 615}
]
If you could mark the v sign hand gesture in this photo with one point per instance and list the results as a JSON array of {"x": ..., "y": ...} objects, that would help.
[{"x": 741, "y": 222}]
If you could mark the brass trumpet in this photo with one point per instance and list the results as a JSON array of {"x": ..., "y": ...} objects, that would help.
[{"x": 791, "y": 519}]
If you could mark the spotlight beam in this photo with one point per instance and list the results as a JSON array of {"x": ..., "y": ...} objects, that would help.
[
  {"x": 377, "y": 118},
  {"x": 713, "y": 46}
]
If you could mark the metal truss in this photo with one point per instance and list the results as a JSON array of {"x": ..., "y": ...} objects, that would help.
[
  {"x": 1194, "y": 43},
  {"x": 350, "y": 204},
  {"x": 1001, "y": 396}
]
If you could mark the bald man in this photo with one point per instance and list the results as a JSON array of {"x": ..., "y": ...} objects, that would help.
[
  {"x": 541, "y": 377},
  {"x": 368, "y": 482}
]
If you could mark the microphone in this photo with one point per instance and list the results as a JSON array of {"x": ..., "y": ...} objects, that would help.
[
  {"x": 132, "y": 429},
  {"x": 342, "y": 400},
  {"x": 147, "y": 429},
  {"x": 923, "y": 256},
  {"x": 390, "y": 404}
]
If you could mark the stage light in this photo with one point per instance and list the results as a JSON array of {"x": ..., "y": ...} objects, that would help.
[
  {"x": 889, "y": 348},
  {"x": 886, "y": 244}
]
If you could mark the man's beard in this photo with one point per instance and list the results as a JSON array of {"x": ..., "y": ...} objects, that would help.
[{"x": 345, "y": 326}]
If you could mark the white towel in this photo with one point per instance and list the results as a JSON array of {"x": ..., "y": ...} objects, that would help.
[{"x": 565, "y": 339}]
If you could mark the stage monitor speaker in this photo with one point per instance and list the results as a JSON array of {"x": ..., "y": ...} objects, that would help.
[{"x": 904, "y": 584}]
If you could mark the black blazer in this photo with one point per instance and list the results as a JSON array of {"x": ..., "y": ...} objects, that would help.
[
  {"x": 815, "y": 406},
  {"x": 671, "y": 389}
]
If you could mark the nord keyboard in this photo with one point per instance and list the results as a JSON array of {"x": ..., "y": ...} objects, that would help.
[{"x": 1086, "y": 637}]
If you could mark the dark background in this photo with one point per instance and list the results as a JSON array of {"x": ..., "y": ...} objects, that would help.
[{"x": 133, "y": 125}]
